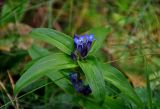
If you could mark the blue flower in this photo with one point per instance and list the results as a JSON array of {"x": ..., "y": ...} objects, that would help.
[
  {"x": 74, "y": 56},
  {"x": 86, "y": 90},
  {"x": 74, "y": 78},
  {"x": 83, "y": 44},
  {"x": 78, "y": 84}
]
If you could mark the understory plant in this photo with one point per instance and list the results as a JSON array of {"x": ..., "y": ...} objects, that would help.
[{"x": 78, "y": 70}]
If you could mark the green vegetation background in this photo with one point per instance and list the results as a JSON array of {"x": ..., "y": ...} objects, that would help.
[{"x": 132, "y": 45}]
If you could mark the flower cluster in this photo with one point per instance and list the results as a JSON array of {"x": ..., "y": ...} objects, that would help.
[
  {"x": 82, "y": 45},
  {"x": 78, "y": 84}
]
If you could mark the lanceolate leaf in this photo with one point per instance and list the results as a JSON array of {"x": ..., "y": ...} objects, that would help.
[
  {"x": 100, "y": 34},
  {"x": 94, "y": 77},
  {"x": 109, "y": 103},
  {"x": 92, "y": 69},
  {"x": 56, "y": 76},
  {"x": 116, "y": 78},
  {"x": 55, "y": 38},
  {"x": 37, "y": 70},
  {"x": 62, "y": 81},
  {"x": 36, "y": 52}
]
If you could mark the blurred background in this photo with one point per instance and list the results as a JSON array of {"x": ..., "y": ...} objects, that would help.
[{"x": 133, "y": 41}]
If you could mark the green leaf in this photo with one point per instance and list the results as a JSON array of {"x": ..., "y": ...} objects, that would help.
[
  {"x": 116, "y": 78},
  {"x": 112, "y": 103},
  {"x": 38, "y": 69},
  {"x": 100, "y": 34},
  {"x": 109, "y": 103},
  {"x": 92, "y": 105},
  {"x": 62, "y": 81},
  {"x": 94, "y": 77},
  {"x": 61, "y": 41},
  {"x": 36, "y": 52}
]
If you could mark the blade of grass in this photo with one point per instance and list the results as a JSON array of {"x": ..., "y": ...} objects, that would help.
[{"x": 148, "y": 89}]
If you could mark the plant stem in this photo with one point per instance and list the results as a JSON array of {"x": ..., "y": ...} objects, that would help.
[{"x": 149, "y": 92}]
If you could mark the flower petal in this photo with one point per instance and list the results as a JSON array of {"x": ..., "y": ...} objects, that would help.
[
  {"x": 73, "y": 56},
  {"x": 86, "y": 90},
  {"x": 73, "y": 77},
  {"x": 83, "y": 44},
  {"x": 76, "y": 40}
]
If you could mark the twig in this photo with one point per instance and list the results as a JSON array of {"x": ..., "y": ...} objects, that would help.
[
  {"x": 12, "y": 83},
  {"x": 5, "y": 90}
]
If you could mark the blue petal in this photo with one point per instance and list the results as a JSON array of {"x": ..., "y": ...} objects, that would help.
[
  {"x": 73, "y": 56},
  {"x": 83, "y": 44},
  {"x": 76, "y": 39},
  {"x": 78, "y": 87},
  {"x": 90, "y": 37},
  {"x": 81, "y": 39},
  {"x": 86, "y": 90},
  {"x": 84, "y": 51},
  {"x": 89, "y": 43},
  {"x": 80, "y": 48},
  {"x": 73, "y": 77}
]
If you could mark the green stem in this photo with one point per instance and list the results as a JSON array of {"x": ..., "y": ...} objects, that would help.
[
  {"x": 50, "y": 22},
  {"x": 149, "y": 92},
  {"x": 70, "y": 15}
]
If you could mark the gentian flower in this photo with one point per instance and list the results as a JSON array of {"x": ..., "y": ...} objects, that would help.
[
  {"x": 86, "y": 90},
  {"x": 74, "y": 78},
  {"x": 78, "y": 84},
  {"x": 82, "y": 45}
]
